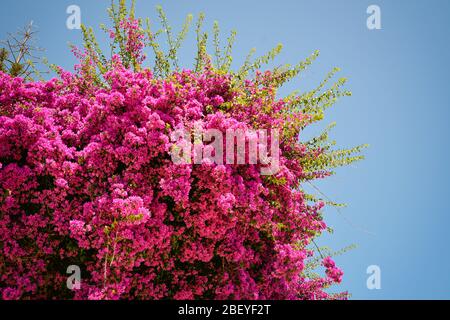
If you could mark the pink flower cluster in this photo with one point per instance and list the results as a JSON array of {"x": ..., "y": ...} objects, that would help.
[
  {"x": 334, "y": 273},
  {"x": 134, "y": 38},
  {"x": 86, "y": 179}
]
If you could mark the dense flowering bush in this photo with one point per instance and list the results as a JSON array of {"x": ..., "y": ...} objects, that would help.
[{"x": 86, "y": 179}]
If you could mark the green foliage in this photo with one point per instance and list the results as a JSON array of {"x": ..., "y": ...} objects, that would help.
[
  {"x": 173, "y": 43},
  {"x": 329, "y": 159},
  {"x": 223, "y": 57},
  {"x": 249, "y": 66},
  {"x": 202, "y": 40},
  {"x": 18, "y": 56}
]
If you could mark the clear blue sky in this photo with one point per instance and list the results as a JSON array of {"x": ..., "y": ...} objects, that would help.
[{"x": 399, "y": 77}]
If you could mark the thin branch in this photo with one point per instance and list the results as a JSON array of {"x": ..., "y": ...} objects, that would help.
[{"x": 340, "y": 212}]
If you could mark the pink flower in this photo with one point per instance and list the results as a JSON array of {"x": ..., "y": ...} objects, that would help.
[{"x": 77, "y": 227}]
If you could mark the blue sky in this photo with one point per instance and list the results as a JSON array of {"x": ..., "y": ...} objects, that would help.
[{"x": 400, "y": 106}]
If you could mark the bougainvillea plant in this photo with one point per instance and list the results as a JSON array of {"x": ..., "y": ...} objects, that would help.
[{"x": 87, "y": 180}]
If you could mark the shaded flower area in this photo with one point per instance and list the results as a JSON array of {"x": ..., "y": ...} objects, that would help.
[{"x": 86, "y": 177}]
